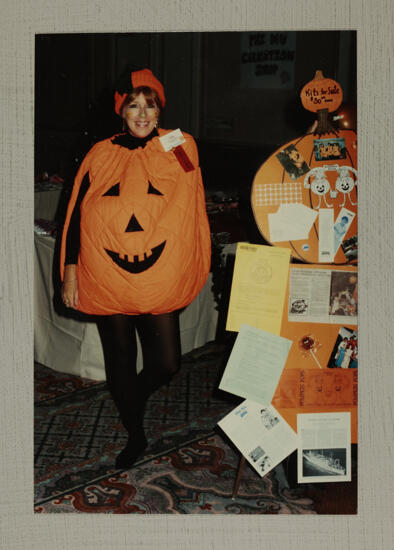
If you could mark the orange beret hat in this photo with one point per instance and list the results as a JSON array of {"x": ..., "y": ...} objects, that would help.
[{"x": 145, "y": 77}]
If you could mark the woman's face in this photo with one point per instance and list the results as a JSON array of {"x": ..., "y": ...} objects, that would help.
[{"x": 141, "y": 116}]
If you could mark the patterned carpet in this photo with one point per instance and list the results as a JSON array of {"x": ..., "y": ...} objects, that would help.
[{"x": 188, "y": 467}]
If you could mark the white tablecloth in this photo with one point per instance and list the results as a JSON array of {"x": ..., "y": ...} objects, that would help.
[
  {"x": 46, "y": 203},
  {"x": 71, "y": 346}
]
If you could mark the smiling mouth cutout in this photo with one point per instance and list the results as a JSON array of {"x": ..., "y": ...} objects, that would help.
[{"x": 137, "y": 266}]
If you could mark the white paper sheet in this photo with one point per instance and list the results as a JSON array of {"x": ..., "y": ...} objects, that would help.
[
  {"x": 323, "y": 447},
  {"x": 322, "y": 296},
  {"x": 291, "y": 222},
  {"x": 255, "y": 364},
  {"x": 261, "y": 435},
  {"x": 326, "y": 235}
]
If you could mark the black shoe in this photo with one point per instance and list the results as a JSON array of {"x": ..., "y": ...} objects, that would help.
[{"x": 136, "y": 445}]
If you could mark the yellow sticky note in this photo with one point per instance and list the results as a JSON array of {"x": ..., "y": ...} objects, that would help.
[{"x": 258, "y": 288}]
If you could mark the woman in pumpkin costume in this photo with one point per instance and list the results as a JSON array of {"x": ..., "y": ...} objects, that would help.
[{"x": 136, "y": 248}]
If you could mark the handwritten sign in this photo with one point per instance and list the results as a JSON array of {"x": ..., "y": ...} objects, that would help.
[
  {"x": 322, "y": 96},
  {"x": 268, "y": 60},
  {"x": 321, "y": 93}
]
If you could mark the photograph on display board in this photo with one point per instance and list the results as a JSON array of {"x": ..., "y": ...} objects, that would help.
[
  {"x": 345, "y": 352},
  {"x": 293, "y": 162},
  {"x": 299, "y": 306},
  {"x": 269, "y": 419},
  {"x": 260, "y": 460},
  {"x": 350, "y": 248},
  {"x": 323, "y": 462},
  {"x": 344, "y": 293},
  {"x": 256, "y": 454},
  {"x": 330, "y": 149}
]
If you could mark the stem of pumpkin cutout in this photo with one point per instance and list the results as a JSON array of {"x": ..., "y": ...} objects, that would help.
[
  {"x": 316, "y": 359},
  {"x": 323, "y": 124}
]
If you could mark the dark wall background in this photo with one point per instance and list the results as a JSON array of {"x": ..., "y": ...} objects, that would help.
[{"x": 236, "y": 128}]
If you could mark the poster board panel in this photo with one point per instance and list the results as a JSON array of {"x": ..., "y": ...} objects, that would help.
[{"x": 324, "y": 336}]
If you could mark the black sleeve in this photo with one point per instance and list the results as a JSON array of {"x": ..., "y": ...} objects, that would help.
[{"x": 74, "y": 229}]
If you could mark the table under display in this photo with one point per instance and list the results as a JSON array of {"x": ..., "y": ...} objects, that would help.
[{"x": 46, "y": 200}]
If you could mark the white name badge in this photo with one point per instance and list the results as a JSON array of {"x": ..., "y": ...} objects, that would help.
[{"x": 172, "y": 139}]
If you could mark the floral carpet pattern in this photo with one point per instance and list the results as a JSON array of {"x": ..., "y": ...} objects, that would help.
[
  {"x": 195, "y": 479},
  {"x": 189, "y": 466}
]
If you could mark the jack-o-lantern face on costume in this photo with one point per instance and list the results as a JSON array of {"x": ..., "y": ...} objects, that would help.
[
  {"x": 145, "y": 239},
  {"x": 150, "y": 256}
]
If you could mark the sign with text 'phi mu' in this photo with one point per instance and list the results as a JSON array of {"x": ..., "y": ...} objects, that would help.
[{"x": 268, "y": 60}]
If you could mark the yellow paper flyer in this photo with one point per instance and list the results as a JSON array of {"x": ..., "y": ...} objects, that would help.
[{"x": 258, "y": 287}]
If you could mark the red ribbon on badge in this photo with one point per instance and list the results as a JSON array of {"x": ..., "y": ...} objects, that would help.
[{"x": 183, "y": 159}]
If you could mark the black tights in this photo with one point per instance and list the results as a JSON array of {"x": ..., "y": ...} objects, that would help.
[{"x": 160, "y": 341}]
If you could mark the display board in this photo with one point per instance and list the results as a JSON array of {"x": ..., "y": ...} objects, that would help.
[
  {"x": 305, "y": 193},
  {"x": 295, "y": 359},
  {"x": 313, "y": 380},
  {"x": 306, "y": 190}
]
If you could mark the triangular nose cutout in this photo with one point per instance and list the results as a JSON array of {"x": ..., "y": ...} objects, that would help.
[
  {"x": 112, "y": 191},
  {"x": 152, "y": 190},
  {"x": 133, "y": 225}
]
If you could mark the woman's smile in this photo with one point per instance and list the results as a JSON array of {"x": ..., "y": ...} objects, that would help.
[{"x": 141, "y": 116}]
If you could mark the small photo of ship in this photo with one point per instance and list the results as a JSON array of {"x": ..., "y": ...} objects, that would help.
[{"x": 324, "y": 462}]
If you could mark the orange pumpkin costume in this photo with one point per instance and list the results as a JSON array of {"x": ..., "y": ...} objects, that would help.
[{"x": 145, "y": 238}]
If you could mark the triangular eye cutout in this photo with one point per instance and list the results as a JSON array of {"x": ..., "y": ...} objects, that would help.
[
  {"x": 153, "y": 191},
  {"x": 112, "y": 191},
  {"x": 133, "y": 225}
]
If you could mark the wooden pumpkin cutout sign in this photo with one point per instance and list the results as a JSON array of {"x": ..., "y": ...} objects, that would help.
[
  {"x": 304, "y": 196},
  {"x": 321, "y": 93}
]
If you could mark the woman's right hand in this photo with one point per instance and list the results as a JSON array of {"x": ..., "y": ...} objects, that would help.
[{"x": 70, "y": 286}]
